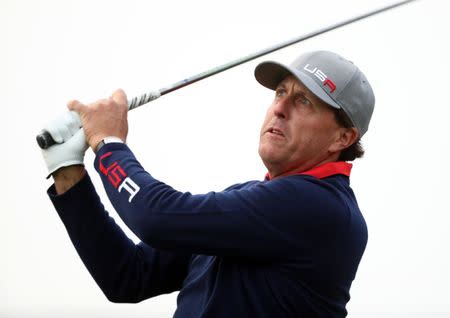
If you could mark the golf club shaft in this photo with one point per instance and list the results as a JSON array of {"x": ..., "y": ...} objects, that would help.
[{"x": 45, "y": 140}]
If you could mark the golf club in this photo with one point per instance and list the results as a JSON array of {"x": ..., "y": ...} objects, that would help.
[{"x": 45, "y": 140}]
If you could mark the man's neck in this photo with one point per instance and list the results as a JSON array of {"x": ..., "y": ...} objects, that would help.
[{"x": 276, "y": 172}]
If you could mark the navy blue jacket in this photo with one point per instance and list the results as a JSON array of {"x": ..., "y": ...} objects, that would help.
[{"x": 287, "y": 247}]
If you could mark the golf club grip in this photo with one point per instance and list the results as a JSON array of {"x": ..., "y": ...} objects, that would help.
[{"x": 45, "y": 140}]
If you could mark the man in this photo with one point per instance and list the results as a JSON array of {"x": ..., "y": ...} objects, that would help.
[{"x": 288, "y": 246}]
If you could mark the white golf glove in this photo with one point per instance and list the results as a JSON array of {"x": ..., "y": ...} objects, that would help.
[{"x": 70, "y": 142}]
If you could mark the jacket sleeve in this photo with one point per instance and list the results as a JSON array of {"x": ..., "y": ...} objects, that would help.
[
  {"x": 125, "y": 272},
  {"x": 266, "y": 219}
]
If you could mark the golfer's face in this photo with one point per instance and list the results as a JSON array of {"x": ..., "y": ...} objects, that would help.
[{"x": 298, "y": 129}]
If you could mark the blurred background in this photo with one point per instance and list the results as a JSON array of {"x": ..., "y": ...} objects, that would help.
[{"x": 204, "y": 137}]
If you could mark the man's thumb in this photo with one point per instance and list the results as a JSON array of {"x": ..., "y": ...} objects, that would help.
[{"x": 119, "y": 97}]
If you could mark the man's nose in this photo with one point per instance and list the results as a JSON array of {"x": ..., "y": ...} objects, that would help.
[{"x": 281, "y": 107}]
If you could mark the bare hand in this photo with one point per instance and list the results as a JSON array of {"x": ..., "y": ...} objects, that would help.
[
  {"x": 105, "y": 117},
  {"x": 66, "y": 177}
]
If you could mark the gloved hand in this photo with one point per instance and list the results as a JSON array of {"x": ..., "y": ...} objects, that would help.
[{"x": 71, "y": 142}]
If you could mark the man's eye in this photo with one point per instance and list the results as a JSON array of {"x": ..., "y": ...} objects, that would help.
[
  {"x": 303, "y": 100},
  {"x": 280, "y": 92}
]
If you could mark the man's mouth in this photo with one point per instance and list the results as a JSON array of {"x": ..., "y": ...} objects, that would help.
[{"x": 275, "y": 131}]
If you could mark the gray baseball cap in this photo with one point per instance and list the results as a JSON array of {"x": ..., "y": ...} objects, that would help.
[{"x": 333, "y": 79}]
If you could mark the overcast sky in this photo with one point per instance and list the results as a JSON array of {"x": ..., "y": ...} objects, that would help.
[{"x": 204, "y": 137}]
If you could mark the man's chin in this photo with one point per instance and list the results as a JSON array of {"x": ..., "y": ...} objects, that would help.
[{"x": 270, "y": 155}]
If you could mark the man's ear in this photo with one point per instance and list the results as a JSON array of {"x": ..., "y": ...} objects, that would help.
[{"x": 344, "y": 139}]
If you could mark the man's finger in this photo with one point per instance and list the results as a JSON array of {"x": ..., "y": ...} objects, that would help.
[
  {"x": 119, "y": 97},
  {"x": 76, "y": 106}
]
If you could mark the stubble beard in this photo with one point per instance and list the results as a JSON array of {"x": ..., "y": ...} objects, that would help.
[{"x": 269, "y": 151}]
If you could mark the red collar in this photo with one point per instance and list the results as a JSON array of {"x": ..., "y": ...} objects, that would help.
[{"x": 326, "y": 170}]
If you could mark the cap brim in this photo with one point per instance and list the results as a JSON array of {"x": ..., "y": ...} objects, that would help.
[{"x": 270, "y": 74}]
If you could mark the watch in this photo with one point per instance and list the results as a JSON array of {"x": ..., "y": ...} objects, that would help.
[{"x": 108, "y": 140}]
